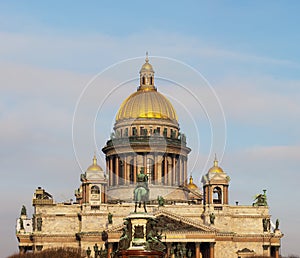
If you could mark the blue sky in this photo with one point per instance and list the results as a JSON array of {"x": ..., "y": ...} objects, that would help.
[{"x": 247, "y": 50}]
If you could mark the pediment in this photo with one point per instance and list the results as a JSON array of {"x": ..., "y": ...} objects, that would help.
[
  {"x": 166, "y": 223},
  {"x": 95, "y": 176},
  {"x": 170, "y": 222},
  {"x": 217, "y": 177}
]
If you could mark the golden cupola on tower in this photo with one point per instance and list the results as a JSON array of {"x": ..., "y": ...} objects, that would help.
[{"x": 215, "y": 168}]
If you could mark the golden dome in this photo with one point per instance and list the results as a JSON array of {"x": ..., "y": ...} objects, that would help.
[
  {"x": 94, "y": 166},
  {"x": 146, "y": 104},
  {"x": 191, "y": 185},
  {"x": 215, "y": 168}
]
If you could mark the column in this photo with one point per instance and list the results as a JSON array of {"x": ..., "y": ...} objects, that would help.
[
  {"x": 170, "y": 170},
  {"x": 180, "y": 171},
  {"x": 107, "y": 166},
  {"x": 110, "y": 171},
  {"x": 211, "y": 194},
  {"x": 134, "y": 169},
  {"x": 169, "y": 246},
  {"x": 197, "y": 250},
  {"x": 174, "y": 170},
  {"x": 185, "y": 170},
  {"x": 125, "y": 171},
  {"x": 166, "y": 170},
  {"x": 159, "y": 169},
  {"x": 117, "y": 170},
  {"x": 109, "y": 249},
  {"x": 211, "y": 250},
  {"x": 145, "y": 163},
  {"x": 276, "y": 252},
  {"x": 206, "y": 195},
  {"x": 155, "y": 181},
  {"x": 225, "y": 193}
]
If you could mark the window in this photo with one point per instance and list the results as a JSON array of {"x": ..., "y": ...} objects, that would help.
[
  {"x": 165, "y": 132},
  {"x": 134, "y": 131},
  {"x": 143, "y": 80},
  {"x": 95, "y": 189},
  {"x": 217, "y": 195},
  {"x": 126, "y": 132}
]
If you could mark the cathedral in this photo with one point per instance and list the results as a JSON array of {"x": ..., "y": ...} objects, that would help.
[{"x": 193, "y": 221}]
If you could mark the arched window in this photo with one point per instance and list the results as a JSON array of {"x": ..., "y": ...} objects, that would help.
[
  {"x": 143, "y": 80},
  {"x": 151, "y": 80},
  {"x": 217, "y": 195},
  {"x": 95, "y": 189}
]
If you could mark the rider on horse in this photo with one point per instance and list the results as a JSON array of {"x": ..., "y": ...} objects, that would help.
[
  {"x": 141, "y": 191},
  {"x": 142, "y": 180}
]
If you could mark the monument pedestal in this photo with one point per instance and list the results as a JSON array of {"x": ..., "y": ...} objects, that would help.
[
  {"x": 140, "y": 238},
  {"x": 139, "y": 254}
]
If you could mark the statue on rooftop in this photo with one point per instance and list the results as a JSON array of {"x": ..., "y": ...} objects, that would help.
[
  {"x": 277, "y": 224},
  {"x": 261, "y": 199},
  {"x": 212, "y": 218},
  {"x": 109, "y": 218},
  {"x": 160, "y": 200},
  {"x": 23, "y": 210}
]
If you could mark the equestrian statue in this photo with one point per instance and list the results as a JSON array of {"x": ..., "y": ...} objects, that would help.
[{"x": 141, "y": 191}]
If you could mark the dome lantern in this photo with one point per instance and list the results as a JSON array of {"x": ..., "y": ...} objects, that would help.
[{"x": 147, "y": 76}]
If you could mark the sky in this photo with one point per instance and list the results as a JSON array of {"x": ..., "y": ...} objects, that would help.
[{"x": 66, "y": 67}]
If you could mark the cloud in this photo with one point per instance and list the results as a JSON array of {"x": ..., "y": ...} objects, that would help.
[{"x": 89, "y": 51}]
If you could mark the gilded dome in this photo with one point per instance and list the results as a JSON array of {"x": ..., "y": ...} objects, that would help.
[
  {"x": 215, "y": 168},
  {"x": 146, "y": 104},
  {"x": 94, "y": 166},
  {"x": 191, "y": 184}
]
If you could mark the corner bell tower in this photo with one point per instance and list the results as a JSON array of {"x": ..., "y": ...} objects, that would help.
[
  {"x": 215, "y": 185},
  {"x": 93, "y": 187}
]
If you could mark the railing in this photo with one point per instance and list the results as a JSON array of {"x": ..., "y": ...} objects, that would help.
[{"x": 145, "y": 140}]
